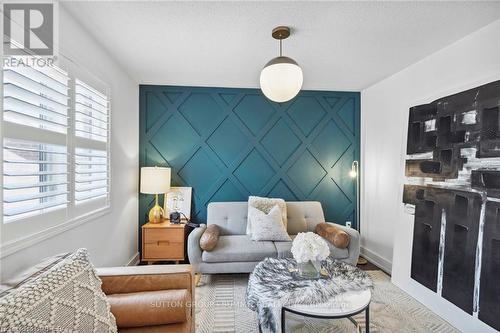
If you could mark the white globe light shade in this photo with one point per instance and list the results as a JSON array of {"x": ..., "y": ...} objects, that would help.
[{"x": 281, "y": 79}]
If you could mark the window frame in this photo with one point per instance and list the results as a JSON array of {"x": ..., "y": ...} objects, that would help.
[{"x": 24, "y": 232}]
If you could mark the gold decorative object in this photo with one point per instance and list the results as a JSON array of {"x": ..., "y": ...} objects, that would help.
[{"x": 156, "y": 214}]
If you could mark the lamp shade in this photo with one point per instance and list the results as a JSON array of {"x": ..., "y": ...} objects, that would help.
[
  {"x": 281, "y": 79},
  {"x": 155, "y": 180}
]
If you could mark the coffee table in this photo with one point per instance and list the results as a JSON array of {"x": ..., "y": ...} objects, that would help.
[
  {"x": 345, "y": 305},
  {"x": 274, "y": 289}
]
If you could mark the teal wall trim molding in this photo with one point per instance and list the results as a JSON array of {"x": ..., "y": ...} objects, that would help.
[{"x": 231, "y": 143}]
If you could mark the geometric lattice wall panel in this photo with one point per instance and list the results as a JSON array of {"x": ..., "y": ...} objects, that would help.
[
  {"x": 489, "y": 306},
  {"x": 453, "y": 187},
  {"x": 231, "y": 143}
]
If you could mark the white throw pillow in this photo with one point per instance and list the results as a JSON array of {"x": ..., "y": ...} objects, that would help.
[
  {"x": 268, "y": 227},
  {"x": 265, "y": 205}
]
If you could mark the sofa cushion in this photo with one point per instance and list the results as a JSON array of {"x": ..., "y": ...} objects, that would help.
[
  {"x": 284, "y": 250},
  {"x": 303, "y": 216},
  {"x": 231, "y": 217},
  {"x": 70, "y": 289},
  {"x": 239, "y": 248},
  {"x": 150, "y": 308}
]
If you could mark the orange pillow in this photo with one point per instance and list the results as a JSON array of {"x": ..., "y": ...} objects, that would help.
[
  {"x": 210, "y": 237},
  {"x": 338, "y": 237},
  {"x": 149, "y": 308}
]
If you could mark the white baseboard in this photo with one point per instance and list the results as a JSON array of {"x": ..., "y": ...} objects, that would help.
[
  {"x": 376, "y": 259},
  {"x": 134, "y": 260}
]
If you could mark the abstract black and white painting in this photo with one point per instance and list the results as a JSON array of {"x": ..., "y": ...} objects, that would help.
[{"x": 453, "y": 188}]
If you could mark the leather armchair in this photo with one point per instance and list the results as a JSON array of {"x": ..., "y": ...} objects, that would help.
[{"x": 150, "y": 299}]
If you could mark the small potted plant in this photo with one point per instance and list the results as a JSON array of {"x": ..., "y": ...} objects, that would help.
[{"x": 309, "y": 250}]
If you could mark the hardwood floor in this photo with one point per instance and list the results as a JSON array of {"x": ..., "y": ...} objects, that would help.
[{"x": 369, "y": 267}]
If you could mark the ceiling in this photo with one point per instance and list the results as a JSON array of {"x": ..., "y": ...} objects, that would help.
[{"x": 339, "y": 45}]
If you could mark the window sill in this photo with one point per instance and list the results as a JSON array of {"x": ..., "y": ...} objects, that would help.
[{"x": 16, "y": 245}]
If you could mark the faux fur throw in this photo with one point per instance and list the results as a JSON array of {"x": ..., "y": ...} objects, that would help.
[{"x": 272, "y": 286}]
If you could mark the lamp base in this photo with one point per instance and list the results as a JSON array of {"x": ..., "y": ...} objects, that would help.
[{"x": 156, "y": 214}]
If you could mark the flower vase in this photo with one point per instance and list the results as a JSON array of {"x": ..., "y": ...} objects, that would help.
[{"x": 309, "y": 269}]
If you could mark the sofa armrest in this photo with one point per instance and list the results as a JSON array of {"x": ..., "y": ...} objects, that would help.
[
  {"x": 193, "y": 246},
  {"x": 354, "y": 243},
  {"x": 132, "y": 279}
]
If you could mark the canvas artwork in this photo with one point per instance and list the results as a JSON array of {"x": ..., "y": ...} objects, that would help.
[
  {"x": 178, "y": 200},
  {"x": 453, "y": 186}
]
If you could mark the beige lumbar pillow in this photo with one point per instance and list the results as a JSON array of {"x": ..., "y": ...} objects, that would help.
[
  {"x": 265, "y": 205},
  {"x": 210, "y": 237},
  {"x": 268, "y": 227}
]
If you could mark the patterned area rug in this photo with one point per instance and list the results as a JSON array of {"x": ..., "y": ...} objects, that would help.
[{"x": 221, "y": 308}]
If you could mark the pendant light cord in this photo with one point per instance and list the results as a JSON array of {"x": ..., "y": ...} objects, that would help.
[{"x": 281, "y": 47}]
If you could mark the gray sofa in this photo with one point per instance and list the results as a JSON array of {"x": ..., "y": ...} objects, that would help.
[{"x": 237, "y": 253}]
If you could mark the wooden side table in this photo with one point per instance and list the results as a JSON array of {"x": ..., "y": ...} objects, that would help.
[{"x": 163, "y": 242}]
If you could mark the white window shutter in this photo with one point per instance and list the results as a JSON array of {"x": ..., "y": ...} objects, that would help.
[
  {"x": 35, "y": 154},
  {"x": 91, "y": 155}
]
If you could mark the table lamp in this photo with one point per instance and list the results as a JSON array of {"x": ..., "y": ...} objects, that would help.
[{"x": 155, "y": 180}]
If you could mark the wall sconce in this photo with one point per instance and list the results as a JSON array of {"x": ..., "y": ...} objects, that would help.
[{"x": 354, "y": 170}]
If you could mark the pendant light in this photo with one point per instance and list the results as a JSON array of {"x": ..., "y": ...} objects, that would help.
[{"x": 281, "y": 79}]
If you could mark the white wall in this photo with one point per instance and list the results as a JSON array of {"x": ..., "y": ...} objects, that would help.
[
  {"x": 112, "y": 238},
  {"x": 470, "y": 62}
]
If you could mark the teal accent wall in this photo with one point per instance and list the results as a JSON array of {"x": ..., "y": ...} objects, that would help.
[{"x": 231, "y": 143}]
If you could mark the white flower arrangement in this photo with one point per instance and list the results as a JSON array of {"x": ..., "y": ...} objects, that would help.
[{"x": 308, "y": 246}]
